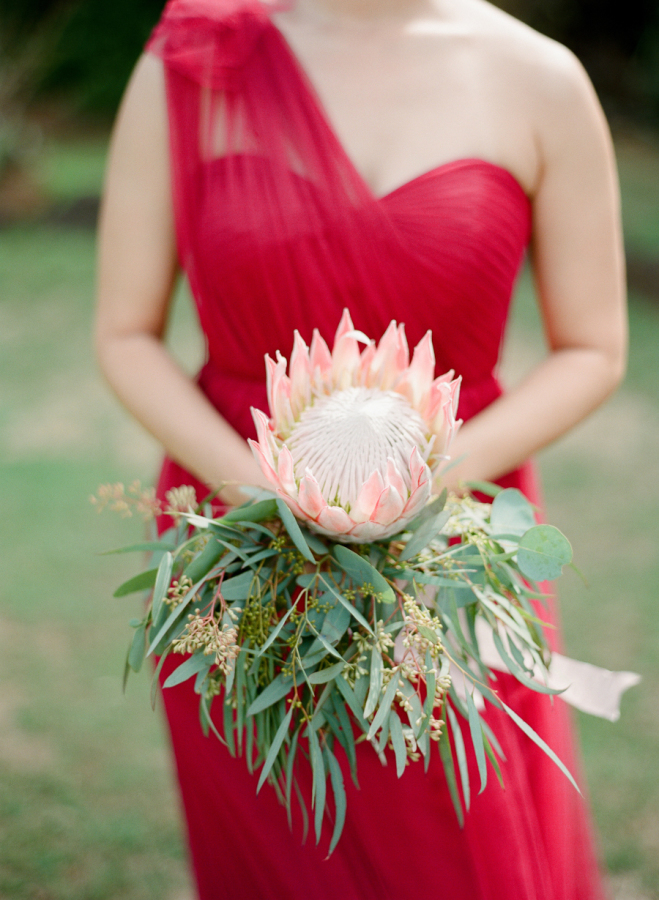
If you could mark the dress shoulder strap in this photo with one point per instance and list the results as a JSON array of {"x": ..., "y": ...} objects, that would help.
[{"x": 209, "y": 41}]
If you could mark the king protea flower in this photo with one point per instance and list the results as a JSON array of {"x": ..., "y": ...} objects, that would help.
[{"x": 354, "y": 437}]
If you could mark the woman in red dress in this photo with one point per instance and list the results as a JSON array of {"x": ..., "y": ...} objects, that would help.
[{"x": 397, "y": 157}]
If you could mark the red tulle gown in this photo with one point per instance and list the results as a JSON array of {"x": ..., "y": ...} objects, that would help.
[{"x": 276, "y": 230}]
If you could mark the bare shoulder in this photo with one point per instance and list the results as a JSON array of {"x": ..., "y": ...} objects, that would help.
[
  {"x": 517, "y": 50},
  {"x": 139, "y": 136},
  {"x": 145, "y": 92},
  {"x": 545, "y": 87}
]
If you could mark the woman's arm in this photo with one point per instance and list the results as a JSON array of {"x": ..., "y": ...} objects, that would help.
[
  {"x": 136, "y": 273},
  {"x": 578, "y": 263}
]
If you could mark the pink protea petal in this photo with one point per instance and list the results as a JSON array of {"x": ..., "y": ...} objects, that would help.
[
  {"x": 367, "y": 499},
  {"x": 345, "y": 325},
  {"x": 279, "y": 392},
  {"x": 442, "y": 409},
  {"x": 390, "y": 359},
  {"x": 418, "y": 499},
  {"x": 395, "y": 479},
  {"x": 416, "y": 381},
  {"x": 309, "y": 497},
  {"x": 320, "y": 357},
  {"x": 419, "y": 471},
  {"x": 366, "y": 532},
  {"x": 389, "y": 506},
  {"x": 300, "y": 375},
  {"x": 292, "y": 505},
  {"x": 264, "y": 435},
  {"x": 286, "y": 472},
  {"x": 403, "y": 358},
  {"x": 441, "y": 392},
  {"x": 336, "y": 520},
  {"x": 365, "y": 362},
  {"x": 345, "y": 354},
  {"x": 448, "y": 377},
  {"x": 262, "y": 460}
]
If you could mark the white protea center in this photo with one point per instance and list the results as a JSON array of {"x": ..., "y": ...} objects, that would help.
[
  {"x": 353, "y": 437},
  {"x": 344, "y": 437}
]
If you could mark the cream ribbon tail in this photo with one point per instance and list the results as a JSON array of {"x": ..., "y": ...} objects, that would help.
[{"x": 589, "y": 688}]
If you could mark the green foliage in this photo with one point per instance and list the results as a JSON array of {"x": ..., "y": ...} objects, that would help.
[{"x": 302, "y": 643}]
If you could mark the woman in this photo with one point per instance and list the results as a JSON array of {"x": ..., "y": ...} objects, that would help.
[{"x": 395, "y": 157}]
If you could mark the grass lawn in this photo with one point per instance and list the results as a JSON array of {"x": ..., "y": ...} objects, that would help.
[{"x": 87, "y": 806}]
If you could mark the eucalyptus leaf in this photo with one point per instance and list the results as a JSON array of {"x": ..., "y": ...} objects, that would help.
[
  {"x": 161, "y": 586},
  {"x": 431, "y": 684},
  {"x": 429, "y": 511},
  {"x": 520, "y": 674},
  {"x": 492, "y": 758},
  {"x": 191, "y": 666},
  {"x": 207, "y": 723},
  {"x": 412, "y": 576},
  {"x": 346, "y": 603},
  {"x": 526, "y": 728},
  {"x": 458, "y": 743},
  {"x": 316, "y": 653},
  {"x": 239, "y": 587},
  {"x": 314, "y": 541},
  {"x": 385, "y": 706},
  {"x": 328, "y": 674},
  {"x": 361, "y": 571},
  {"x": 277, "y": 741},
  {"x": 252, "y": 512},
  {"x": 348, "y": 736},
  {"x": 290, "y": 765},
  {"x": 274, "y": 634},
  {"x": 352, "y": 701},
  {"x": 423, "y": 536},
  {"x": 155, "y": 677},
  {"x": 340, "y": 802},
  {"x": 398, "y": 741},
  {"x": 543, "y": 551},
  {"x": 477, "y": 739},
  {"x": 137, "y": 583},
  {"x": 336, "y": 623},
  {"x": 171, "y": 620},
  {"x": 137, "y": 649},
  {"x": 294, "y": 532},
  {"x": 274, "y": 691},
  {"x": 449, "y": 771},
  {"x": 511, "y": 513},
  {"x": 229, "y": 727},
  {"x": 143, "y": 547},
  {"x": 202, "y": 564},
  {"x": 306, "y": 580},
  {"x": 319, "y": 781},
  {"x": 375, "y": 683},
  {"x": 485, "y": 487}
]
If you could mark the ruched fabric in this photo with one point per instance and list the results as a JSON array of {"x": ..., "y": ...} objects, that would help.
[{"x": 276, "y": 230}]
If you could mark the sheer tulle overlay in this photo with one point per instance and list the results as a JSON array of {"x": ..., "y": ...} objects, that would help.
[{"x": 276, "y": 230}]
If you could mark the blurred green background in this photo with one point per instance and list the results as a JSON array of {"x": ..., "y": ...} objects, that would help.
[{"x": 87, "y": 805}]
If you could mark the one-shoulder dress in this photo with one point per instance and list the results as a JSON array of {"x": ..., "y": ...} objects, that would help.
[{"x": 276, "y": 230}]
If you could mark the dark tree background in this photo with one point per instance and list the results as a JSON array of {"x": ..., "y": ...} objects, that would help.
[{"x": 94, "y": 43}]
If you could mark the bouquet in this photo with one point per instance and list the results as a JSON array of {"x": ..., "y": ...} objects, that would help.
[{"x": 351, "y": 604}]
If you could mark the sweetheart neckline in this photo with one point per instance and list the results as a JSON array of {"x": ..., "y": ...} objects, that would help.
[
  {"x": 440, "y": 168},
  {"x": 309, "y": 85},
  {"x": 460, "y": 162}
]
